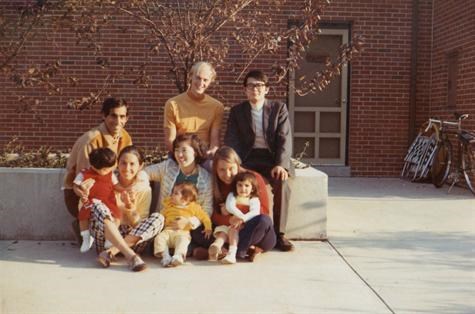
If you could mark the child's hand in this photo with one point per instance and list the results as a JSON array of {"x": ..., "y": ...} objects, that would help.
[
  {"x": 207, "y": 233},
  {"x": 180, "y": 223},
  {"x": 83, "y": 189},
  {"x": 87, "y": 184},
  {"x": 235, "y": 222},
  {"x": 223, "y": 209}
]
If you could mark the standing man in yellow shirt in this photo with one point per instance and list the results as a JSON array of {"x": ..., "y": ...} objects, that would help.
[{"x": 194, "y": 111}]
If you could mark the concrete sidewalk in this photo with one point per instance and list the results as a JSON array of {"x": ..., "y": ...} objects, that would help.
[
  {"x": 413, "y": 243},
  {"x": 395, "y": 247}
]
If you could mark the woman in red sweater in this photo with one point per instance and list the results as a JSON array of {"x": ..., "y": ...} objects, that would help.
[{"x": 257, "y": 235}]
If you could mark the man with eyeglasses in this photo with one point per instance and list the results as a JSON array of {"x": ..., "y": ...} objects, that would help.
[{"x": 259, "y": 131}]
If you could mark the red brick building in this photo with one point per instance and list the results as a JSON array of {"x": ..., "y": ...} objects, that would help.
[{"x": 418, "y": 61}]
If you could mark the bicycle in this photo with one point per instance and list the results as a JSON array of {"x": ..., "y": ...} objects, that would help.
[{"x": 442, "y": 159}]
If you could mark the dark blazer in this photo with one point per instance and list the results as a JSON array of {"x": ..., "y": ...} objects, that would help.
[{"x": 240, "y": 133}]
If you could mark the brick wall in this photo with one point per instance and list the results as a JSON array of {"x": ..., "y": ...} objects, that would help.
[
  {"x": 453, "y": 30},
  {"x": 379, "y": 79},
  {"x": 379, "y": 90}
]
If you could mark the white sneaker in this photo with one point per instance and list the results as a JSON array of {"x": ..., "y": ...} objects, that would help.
[
  {"x": 87, "y": 242},
  {"x": 229, "y": 259},
  {"x": 166, "y": 260},
  {"x": 177, "y": 260}
]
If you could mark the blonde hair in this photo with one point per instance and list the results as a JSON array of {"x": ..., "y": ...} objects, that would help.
[
  {"x": 229, "y": 155},
  {"x": 198, "y": 65}
]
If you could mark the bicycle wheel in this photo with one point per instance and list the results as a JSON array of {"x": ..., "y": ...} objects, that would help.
[
  {"x": 468, "y": 166},
  {"x": 441, "y": 165}
]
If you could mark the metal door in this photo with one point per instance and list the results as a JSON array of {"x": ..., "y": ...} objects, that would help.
[{"x": 319, "y": 119}]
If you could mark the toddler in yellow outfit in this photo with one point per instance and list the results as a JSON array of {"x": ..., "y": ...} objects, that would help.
[{"x": 182, "y": 203}]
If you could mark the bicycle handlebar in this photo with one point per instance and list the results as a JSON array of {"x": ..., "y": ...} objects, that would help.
[{"x": 441, "y": 123}]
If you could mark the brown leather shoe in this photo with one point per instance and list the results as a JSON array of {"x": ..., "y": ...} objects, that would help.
[
  {"x": 284, "y": 244},
  {"x": 253, "y": 252},
  {"x": 105, "y": 258},
  {"x": 200, "y": 253}
]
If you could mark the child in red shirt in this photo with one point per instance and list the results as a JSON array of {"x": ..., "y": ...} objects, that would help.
[{"x": 101, "y": 182}]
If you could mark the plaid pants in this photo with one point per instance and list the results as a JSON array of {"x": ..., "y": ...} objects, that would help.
[{"x": 146, "y": 230}]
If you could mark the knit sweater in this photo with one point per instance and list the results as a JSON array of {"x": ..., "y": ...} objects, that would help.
[{"x": 166, "y": 173}]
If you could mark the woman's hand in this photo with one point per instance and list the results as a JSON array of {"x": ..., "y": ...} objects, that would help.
[
  {"x": 180, "y": 223},
  {"x": 129, "y": 198},
  {"x": 224, "y": 212},
  {"x": 207, "y": 234},
  {"x": 235, "y": 222}
]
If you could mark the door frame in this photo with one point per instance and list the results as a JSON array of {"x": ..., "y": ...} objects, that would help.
[{"x": 343, "y": 109}]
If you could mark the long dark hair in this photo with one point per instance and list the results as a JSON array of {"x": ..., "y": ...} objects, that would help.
[
  {"x": 246, "y": 176},
  {"x": 195, "y": 143}
]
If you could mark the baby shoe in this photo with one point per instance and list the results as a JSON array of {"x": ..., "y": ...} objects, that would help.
[
  {"x": 87, "y": 242},
  {"x": 177, "y": 260}
]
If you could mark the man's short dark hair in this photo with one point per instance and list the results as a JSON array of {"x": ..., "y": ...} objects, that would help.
[
  {"x": 102, "y": 157},
  {"x": 111, "y": 103},
  {"x": 258, "y": 75}
]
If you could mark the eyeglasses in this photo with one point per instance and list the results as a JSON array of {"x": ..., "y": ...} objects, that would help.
[{"x": 259, "y": 86}]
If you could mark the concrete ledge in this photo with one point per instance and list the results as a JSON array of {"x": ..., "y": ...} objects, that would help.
[
  {"x": 308, "y": 205},
  {"x": 32, "y": 205}
]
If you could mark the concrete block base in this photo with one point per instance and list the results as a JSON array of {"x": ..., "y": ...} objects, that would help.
[
  {"x": 308, "y": 205},
  {"x": 32, "y": 205}
]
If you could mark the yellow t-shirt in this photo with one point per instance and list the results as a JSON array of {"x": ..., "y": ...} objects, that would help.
[
  {"x": 192, "y": 116},
  {"x": 171, "y": 212}
]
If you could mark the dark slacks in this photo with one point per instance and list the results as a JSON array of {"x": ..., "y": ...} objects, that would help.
[
  {"x": 72, "y": 201},
  {"x": 262, "y": 161},
  {"x": 258, "y": 232}
]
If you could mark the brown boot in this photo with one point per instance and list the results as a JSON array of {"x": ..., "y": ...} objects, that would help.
[
  {"x": 284, "y": 244},
  {"x": 253, "y": 252}
]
